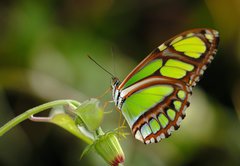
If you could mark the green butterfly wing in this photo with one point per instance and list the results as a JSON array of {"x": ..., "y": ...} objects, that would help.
[
  {"x": 136, "y": 105},
  {"x": 155, "y": 94}
]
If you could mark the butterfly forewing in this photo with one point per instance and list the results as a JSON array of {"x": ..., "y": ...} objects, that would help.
[
  {"x": 154, "y": 96},
  {"x": 184, "y": 56}
]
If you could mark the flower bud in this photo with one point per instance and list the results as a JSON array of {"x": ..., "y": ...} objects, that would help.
[{"x": 108, "y": 147}]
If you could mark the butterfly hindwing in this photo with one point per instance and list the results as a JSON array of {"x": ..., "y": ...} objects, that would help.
[
  {"x": 154, "y": 96},
  {"x": 155, "y": 110}
]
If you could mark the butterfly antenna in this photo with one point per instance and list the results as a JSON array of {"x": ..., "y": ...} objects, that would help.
[{"x": 100, "y": 66}]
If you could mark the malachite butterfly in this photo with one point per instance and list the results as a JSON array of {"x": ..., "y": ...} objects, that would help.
[{"x": 154, "y": 96}]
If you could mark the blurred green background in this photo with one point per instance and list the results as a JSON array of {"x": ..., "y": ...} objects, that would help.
[{"x": 43, "y": 57}]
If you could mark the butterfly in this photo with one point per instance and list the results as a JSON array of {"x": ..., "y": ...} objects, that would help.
[{"x": 154, "y": 96}]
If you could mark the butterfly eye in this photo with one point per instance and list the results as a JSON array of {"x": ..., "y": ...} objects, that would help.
[{"x": 114, "y": 82}]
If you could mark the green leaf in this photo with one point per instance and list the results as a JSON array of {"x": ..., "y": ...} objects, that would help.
[
  {"x": 90, "y": 113},
  {"x": 87, "y": 150},
  {"x": 65, "y": 121}
]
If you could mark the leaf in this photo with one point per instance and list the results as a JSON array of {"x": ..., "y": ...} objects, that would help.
[
  {"x": 86, "y": 150},
  {"x": 66, "y": 122},
  {"x": 90, "y": 113}
]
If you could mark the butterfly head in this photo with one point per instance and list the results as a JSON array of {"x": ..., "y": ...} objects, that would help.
[{"x": 114, "y": 82}]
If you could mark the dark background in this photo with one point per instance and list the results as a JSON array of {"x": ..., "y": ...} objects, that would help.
[{"x": 43, "y": 57}]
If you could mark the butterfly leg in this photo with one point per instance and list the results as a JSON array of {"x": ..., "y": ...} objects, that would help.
[{"x": 106, "y": 103}]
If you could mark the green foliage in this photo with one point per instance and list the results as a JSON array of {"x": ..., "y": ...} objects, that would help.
[
  {"x": 89, "y": 130},
  {"x": 90, "y": 114}
]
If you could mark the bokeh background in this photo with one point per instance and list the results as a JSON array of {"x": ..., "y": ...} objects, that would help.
[{"x": 43, "y": 57}]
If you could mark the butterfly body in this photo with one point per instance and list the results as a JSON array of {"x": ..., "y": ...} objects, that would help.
[{"x": 154, "y": 96}]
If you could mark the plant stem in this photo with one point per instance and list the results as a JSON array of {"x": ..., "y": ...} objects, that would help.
[{"x": 15, "y": 121}]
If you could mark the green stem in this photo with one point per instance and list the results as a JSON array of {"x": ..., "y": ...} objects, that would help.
[{"x": 15, "y": 121}]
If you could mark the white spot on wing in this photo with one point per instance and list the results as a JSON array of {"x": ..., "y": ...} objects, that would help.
[
  {"x": 152, "y": 140},
  {"x": 209, "y": 37},
  {"x": 184, "y": 110},
  {"x": 162, "y": 47},
  {"x": 147, "y": 142},
  {"x": 179, "y": 120},
  {"x": 207, "y": 31},
  {"x": 162, "y": 136},
  {"x": 216, "y": 33},
  {"x": 177, "y": 39},
  {"x": 197, "y": 78},
  {"x": 190, "y": 34},
  {"x": 170, "y": 130},
  {"x": 138, "y": 136},
  {"x": 204, "y": 67}
]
